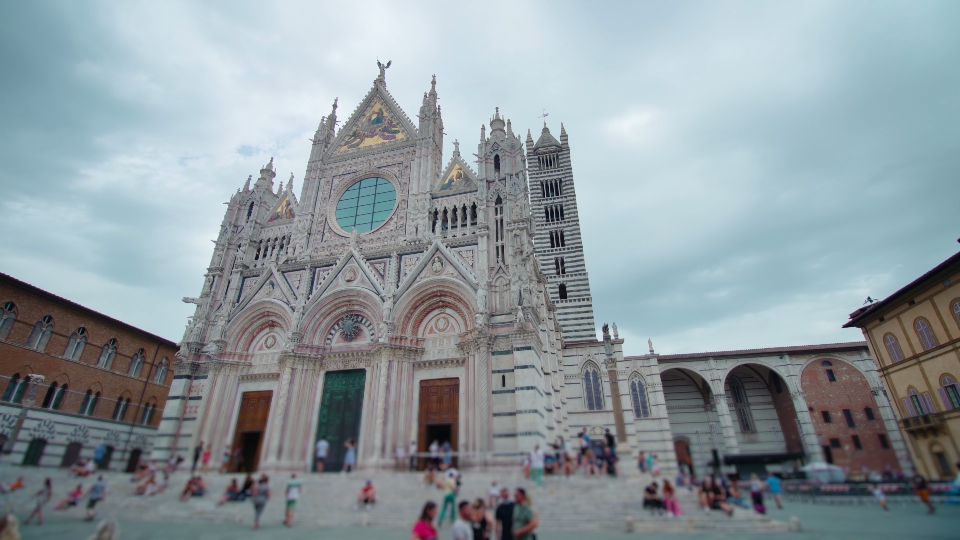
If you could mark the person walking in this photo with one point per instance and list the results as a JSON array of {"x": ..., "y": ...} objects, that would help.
[
  {"x": 449, "y": 485},
  {"x": 525, "y": 517},
  {"x": 350, "y": 457},
  {"x": 423, "y": 529},
  {"x": 504, "y": 516},
  {"x": 776, "y": 490},
  {"x": 197, "y": 452},
  {"x": 97, "y": 493},
  {"x": 610, "y": 440},
  {"x": 205, "y": 459},
  {"x": 41, "y": 498},
  {"x": 880, "y": 496},
  {"x": 293, "y": 495},
  {"x": 462, "y": 530},
  {"x": 260, "y": 496},
  {"x": 536, "y": 465},
  {"x": 413, "y": 456},
  {"x": 322, "y": 449},
  {"x": 922, "y": 489},
  {"x": 756, "y": 494},
  {"x": 98, "y": 454}
]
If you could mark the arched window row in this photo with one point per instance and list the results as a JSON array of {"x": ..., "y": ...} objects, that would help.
[
  {"x": 638, "y": 395},
  {"x": 560, "y": 266},
  {"x": 54, "y": 395},
  {"x": 592, "y": 388},
  {"x": 75, "y": 345},
  {"x": 949, "y": 393},
  {"x": 557, "y": 239},
  {"x": 449, "y": 220},
  {"x": 107, "y": 354},
  {"x": 553, "y": 213},
  {"x": 551, "y": 188},
  {"x": 548, "y": 161},
  {"x": 8, "y": 315},
  {"x": 41, "y": 334},
  {"x": 925, "y": 333},
  {"x": 161, "y": 373},
  {"x": 271, "y": 249}
]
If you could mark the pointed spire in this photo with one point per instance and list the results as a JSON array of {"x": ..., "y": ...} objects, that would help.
[
  {"x": 496, "y": 125},
  {"x": 456, "y": 148},
  {"x": 332, "y": 118},
  {"x": 509, "y": 128},
  {"x": 563, "y": 135},
  {"x": 483, "y": 132},
  {"x": 290, "y": 183},
  {"x": 433, "y": 85},
  {"x": 246, "y": 185},
  {"x": 268, "y": 166}
]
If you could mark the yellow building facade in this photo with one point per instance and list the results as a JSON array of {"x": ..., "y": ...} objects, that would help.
[{"x": 914, "y": 335}]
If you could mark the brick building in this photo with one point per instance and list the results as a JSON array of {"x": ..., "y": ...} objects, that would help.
[{"x": 73, "y": 378}]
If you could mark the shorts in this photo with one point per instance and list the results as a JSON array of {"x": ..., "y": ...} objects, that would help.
[
  {"x": 322, "y": 459},
  {"x": 91, "y": 503},
  {"x": 291, "y": 504}
]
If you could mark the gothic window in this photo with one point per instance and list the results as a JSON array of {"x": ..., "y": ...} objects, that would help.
[
  {"x": 161, "y": 374},
  {"x": 11, "y": 387},
  {"x": 48, "y": 398},
  {"x": 147, "y": 415},
  {"x": 562, "y": 291},
  {"x": 638, "y": 395},
  {"x": 496, "y": 165},
  {"x": 893, "y": 347},
  {"x": 559, "y": 265},
  {"x": 592, "y": 390},
  {"x": 120, "y": 409},
  {"x": 107, "y": 353},
  {"x": 136, "y": 364},
  {"x": 498, "y": 224},
  {"x": 250, "y": 211},
  {"x": 742, "y": 405},
  {"x": 41, "y": 334},
  {"x": 85, "y": 404},
  {"x": 925, "y": 333},
  {"x": 58, "y": 398},
  {"x": 8, "y": 314},
  {"x": 75, "y": 345},
  {"x": 955, "y": 308},
  {"x": 473, "y": 215}
]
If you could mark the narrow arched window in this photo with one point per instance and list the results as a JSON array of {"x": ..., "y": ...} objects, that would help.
[
  {"x": 48, "y": 398},
  {"x": 58, "y": 399},
  {"x": 8, "y": 314},
  {"x": 499, "y": 238},
  {"x": 249, "y": 211},
  {"x": 592, "y": 390},
  {"x": 11, "y": 387},
  {"x": 147, "y": 415},
  {"x": 85, "y": 404},
  {"x": 41, "y": 334},
  {"x": 136, "y": 364},
  {"x": 161, "y": 371},
  {"x": 562, "y": 291},
  {"x": 107, "y": 353},
  {"x": 949, "y": 392},
  {"x": 925, "y": 333},
  {"x": 742, "y": 405},
  {"x": 893, "y": 347},
  {"x": 638, "y": 395},
  {"x": 955, "y": 308},
  {"x": 496, "y": 165},
  {"x": 92, "y": 406},
  {"x": 75, "y": 345}
]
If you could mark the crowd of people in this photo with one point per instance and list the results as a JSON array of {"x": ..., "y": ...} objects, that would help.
[{"x": 501, "y": 518}]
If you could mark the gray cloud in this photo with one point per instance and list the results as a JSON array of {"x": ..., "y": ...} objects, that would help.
[{"x": 747, "y": 172}]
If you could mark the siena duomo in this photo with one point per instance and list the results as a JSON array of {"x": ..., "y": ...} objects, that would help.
[{"x": 401, "y": 297}]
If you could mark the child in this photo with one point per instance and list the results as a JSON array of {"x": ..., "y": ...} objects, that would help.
[{"x": 880, "y": 496}]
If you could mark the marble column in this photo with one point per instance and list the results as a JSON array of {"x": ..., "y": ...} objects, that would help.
[{"x": 275, "y": 437}]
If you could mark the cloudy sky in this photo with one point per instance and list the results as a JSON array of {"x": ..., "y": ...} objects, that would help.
[{"x": 747, "y": 173}]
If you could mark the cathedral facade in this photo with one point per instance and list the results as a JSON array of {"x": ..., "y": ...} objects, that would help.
[{"x": 403, "y": 297}]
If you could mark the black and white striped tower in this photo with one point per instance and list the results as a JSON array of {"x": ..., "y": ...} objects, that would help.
[{"x": 559, "y": 246}]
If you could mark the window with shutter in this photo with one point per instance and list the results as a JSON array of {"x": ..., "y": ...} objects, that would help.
[{"x": 908, "y": 407}]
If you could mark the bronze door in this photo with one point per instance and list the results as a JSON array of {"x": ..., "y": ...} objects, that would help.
[
  {"x": 439, "y": 415},
  {"x": 341, "y": 408},
  {"x": 251, "y": 425}
]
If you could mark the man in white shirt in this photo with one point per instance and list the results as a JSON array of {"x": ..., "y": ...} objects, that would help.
[
  {"x": 536, "y": 465},
  {"x": 413, "y": 455},
  {"x": 462, "y": 530},
  {"x": 323, "y": 448},
  {"x": 435, "y": 453}
]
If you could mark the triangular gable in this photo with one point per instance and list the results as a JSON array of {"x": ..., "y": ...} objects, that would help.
[
  {"x": 457, "y": 178},
  {"x": 380, "y": 268},
  {"x": 365, "y": 277},
  {"x": 284, "y": 209},
  {"x": 378, "y": 120},
  {"x": 270, "y": 285},
  {"x": 428, "y": 267}
]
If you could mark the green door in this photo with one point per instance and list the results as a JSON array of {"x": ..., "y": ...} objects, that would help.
[{"x": 340, "y": 410}]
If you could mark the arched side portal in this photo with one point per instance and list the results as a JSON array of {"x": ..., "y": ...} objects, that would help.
[
  {"x": 763, "y": 413},
  {"x": 693, "y": 417}
]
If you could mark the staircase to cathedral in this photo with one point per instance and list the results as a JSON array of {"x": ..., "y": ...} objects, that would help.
[{"x": 328, "y": 501}]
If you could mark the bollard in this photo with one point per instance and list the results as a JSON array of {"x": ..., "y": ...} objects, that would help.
[
  {"x": 629, "y": 524},
  {"x": 795, "y": 525}
]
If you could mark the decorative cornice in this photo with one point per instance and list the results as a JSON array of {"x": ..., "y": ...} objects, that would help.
[
  {"x": 438, "y": 364},
  {"x": 259, "y": 377}
]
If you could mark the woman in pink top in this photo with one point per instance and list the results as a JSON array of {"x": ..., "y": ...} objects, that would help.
[{"x": 423, "y": 529}]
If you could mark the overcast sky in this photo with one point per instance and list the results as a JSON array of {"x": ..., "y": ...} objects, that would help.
[{"x": 747, "y": 173}]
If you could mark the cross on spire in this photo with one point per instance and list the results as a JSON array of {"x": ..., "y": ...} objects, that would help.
[{"x": 544, "y": 116}]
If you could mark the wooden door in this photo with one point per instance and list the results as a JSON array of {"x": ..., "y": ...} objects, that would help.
[
  {"x": 249, "y": 435},
  {"x": 341, "y": 409},
  {"x": 439, "y": 406},
  {"x": 71, "y": 454}
]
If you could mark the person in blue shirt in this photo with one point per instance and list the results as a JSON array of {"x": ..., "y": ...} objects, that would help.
[{"x": 773, "y": 483}]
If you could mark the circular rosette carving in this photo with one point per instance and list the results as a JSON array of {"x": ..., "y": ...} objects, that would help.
[{"x": 350, "y": 327}]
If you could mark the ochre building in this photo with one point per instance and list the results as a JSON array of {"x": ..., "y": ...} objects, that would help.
[
  {"x": 74, "y": 379},
  {"x": 914, "y": 335}
]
